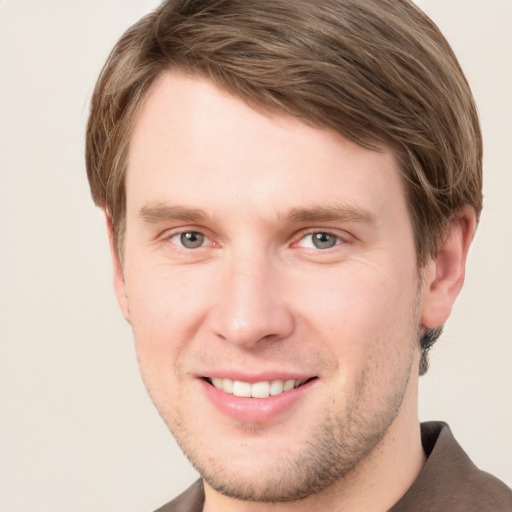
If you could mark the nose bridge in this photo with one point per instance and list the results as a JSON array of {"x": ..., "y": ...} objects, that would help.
[{"x": 253, "y": 304}]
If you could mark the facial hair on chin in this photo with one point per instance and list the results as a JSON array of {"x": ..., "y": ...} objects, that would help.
[{"x": 337, "y": 444}]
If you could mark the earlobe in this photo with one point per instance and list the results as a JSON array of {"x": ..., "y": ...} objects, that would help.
[
  {"x": 444, "y": 274},
  {"x": 118, "y": 274}
]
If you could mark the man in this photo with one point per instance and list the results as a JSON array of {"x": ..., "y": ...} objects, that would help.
[{"x": 291, "y": 189}]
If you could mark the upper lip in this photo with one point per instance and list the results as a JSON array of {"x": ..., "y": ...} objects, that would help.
[{"x": 256, "y": 377}]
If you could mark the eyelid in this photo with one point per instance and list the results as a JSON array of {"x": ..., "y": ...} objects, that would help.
[
  {"x": 342, "y": 238},
  {"x": 169, "y": 234}
]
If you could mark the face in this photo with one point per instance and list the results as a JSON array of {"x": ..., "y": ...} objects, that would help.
[{"x": 270, "y": 279}]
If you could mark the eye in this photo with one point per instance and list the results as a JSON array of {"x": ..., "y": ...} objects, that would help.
[
  {"x": 189, "y": 239},
  {"x": 319, "y": 240}
]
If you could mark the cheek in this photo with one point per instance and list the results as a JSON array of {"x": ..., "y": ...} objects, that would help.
[
  {"x": 164, "y": 316},
  {"x": 361, "y": 314},
  {"x": 356, "y": 299},
  {"x": 163, "y": 300}
]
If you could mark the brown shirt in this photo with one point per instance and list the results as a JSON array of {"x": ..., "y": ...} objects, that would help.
[{"x": 449, "y": 482}]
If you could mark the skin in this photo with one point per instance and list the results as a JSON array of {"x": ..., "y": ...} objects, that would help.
[{"x": 257, "y": 297}]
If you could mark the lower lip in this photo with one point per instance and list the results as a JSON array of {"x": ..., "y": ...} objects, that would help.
[{"x": 255, "y": 410}]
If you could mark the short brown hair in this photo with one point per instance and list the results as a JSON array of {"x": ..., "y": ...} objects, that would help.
[{"x": 379, "y": 72}]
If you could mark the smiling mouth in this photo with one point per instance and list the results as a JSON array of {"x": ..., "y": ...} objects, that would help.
[{"x": 262, "y": 389}]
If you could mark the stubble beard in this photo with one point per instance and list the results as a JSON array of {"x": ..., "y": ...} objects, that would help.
[
  {"x": 340, "y": 440},
  {"x": 337, "y": 444}
]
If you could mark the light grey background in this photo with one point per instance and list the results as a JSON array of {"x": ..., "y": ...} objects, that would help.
[{"x": 77, "y": 432}]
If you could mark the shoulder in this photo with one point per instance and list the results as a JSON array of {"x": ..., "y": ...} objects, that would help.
[
  {"x": 450, "y": 481},
  {"x": 189, "y": 501}
]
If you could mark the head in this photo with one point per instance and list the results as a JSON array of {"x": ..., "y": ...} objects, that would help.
[
  {"x": 373, "y": 83},
  {"x": 379, "y": 73}
]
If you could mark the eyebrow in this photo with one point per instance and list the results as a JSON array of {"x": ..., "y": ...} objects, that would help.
[
  {"x": 337, "y": 212},
  {"x": 161, "y": 212}
]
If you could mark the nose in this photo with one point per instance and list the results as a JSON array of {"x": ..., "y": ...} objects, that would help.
[{"x": 252, "y": 306}]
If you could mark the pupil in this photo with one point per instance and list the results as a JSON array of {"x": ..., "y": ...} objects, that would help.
[
  {"x": 323, "y": 240},
  {"x": 192, "y": 240}
]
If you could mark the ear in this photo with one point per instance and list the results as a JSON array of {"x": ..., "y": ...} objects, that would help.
[
  {"x": 118, "y": 274},
  {"x": 444, "y": 274}
]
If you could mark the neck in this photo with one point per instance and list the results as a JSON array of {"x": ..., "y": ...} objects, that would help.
[{"x": 375, "y": 485}]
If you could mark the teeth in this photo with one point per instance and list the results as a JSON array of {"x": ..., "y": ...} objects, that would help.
[
  {"x": 289, "y": 384},
  {"x": 227, "y": 385},
  {"x": 217, "y": 382},
  {"x": 241, "y": 388},
  {"x": 276, "y": 387},
  {"x": 258, "y": 389}
]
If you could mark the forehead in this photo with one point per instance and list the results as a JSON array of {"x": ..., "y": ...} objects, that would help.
[{"x": 195, "y": 142}]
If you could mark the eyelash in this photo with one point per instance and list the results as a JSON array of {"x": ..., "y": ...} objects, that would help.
[
  {"x": 184, "y": 233},
  {"x": 338, "y": 240}
]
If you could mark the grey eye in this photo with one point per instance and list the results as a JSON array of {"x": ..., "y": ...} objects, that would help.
[
  {"x": 323, "y": 240},
  {"x": 192, "y": 239}
]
